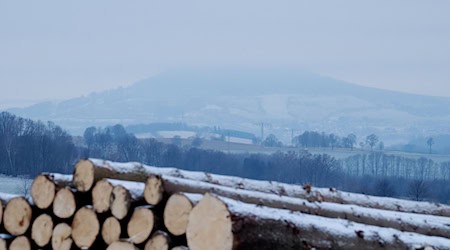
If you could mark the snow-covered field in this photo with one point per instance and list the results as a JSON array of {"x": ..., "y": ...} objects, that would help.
[{"x": 15, "y": 185}]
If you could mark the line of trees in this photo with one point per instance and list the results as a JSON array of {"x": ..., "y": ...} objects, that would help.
[{"x": 29, "y": 147}]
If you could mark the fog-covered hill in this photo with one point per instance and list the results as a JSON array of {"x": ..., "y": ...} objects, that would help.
[{"x": 242, "y": 99}]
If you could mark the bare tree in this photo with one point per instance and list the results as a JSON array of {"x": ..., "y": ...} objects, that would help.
[
  {"x": 430, "y": 143},
  {"x": 371, "y": 140},
  {"x": 418, "y": 190}
]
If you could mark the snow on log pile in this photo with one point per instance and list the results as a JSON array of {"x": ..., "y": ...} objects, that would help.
[{"x": 108, "y": 205}]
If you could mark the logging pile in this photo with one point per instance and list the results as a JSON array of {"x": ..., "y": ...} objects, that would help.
[{"x": 108, "y": 205}]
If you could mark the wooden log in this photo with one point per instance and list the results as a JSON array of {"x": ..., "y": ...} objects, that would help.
[
  {"x": 85, "y": 227},
  {"x": 176, "y": 213},
  {"x": 419, "y": 223},
  {"x": 20, "y": 243},
  {"x": 111, "y": 230},
  {"x": 180, "y": 248},
  {"x": 121, "y": 245},
  {"x": 17, "y": 216},
  {"x": 154, "y": 191},
  {"x": 4, "y": 199},
  {"x": 160, "y": 240},
  {"x": 120, "y": 202},
  {"x": 225, "y": 224},
  {"x": 138, "y": 172},
  {"x": 64, "y": 204},
  {"x": 41, "y": 230},
  {"x": 140, "y": 225},
  {"x": 101, "y": 196},
  {"x": 43, "y": 191},
  {"x": 4, "y": 240},
  {"x": 86, "y": 173},
  {"x": 61, "y": 237}
]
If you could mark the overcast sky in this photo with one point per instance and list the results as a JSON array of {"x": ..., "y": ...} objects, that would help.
[{"x": 62, "y": 49}]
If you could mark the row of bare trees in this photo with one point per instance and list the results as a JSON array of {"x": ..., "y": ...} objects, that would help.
[{"x": 29, "y": 147}]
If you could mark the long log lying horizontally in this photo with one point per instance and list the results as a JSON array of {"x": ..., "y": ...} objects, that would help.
[
  {"x": 225, "y": 224},
  {"x": 96, "y": 168},
  {"x": 419, "y": 223}
]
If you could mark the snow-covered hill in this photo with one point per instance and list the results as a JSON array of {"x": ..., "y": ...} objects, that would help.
[{"x": 243, "y": 99}]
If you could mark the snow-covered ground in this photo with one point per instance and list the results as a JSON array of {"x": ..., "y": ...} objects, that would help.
[{"x": 15, "y": 185}]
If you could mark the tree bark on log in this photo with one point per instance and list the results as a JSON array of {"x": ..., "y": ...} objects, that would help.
[
  {"x": 41, "y": 230},
  {"x": 85, "y": 227},
  {"x": 138, "y": 172},
  {"x": 419, "y": 223},
  {"x": 225, "y": 224},
  {"x": 61, "y": 237},
  {"x": 17, "y": 216}
]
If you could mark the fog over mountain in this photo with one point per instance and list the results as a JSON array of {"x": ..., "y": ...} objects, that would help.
[{"x": 284, "y": 100}]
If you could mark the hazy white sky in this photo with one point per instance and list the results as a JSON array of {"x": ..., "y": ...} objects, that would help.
[{"x": 62, "y": 49}]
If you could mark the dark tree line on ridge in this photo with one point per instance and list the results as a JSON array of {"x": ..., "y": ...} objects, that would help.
[{"x": 30, "y": 147}]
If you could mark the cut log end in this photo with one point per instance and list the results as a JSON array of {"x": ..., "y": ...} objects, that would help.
[
  {"x": 120, "y": 202},
  {"x": 140, "y": 225},
  {"x": 158, "y": 241},
  {"x": 64, "y": 205},
  {"x": 111, "y": 230},
  {"x": 17, "y": 216},
  {"x": 61, "y": 239},
  {"x": 121, "y": 245},
  {"x": 180, "y": 248},
  {"x": 41, "y": 230},
  {"x": 3, "y": 244},
  {"x": 83, "y": 177},
  {"x": 101, "y": 196},
  {"x": 20, "y": 243},
  {"x": 210, "y": 225},
  {"x": 153, "y": 192},
  {"x": 43, "y": 191},
  {"x": 85, "y": 227},
  {"x": 176, "y": 214}
]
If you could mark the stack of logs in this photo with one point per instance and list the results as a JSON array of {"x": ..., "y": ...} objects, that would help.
[{"x": 107, "y": 205}]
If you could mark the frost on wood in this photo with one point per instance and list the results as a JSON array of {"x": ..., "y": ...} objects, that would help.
[
  {"x": 137, "y": 171},
  {"x": 421, "y": 223},
  {"x": 236, "y": 225}
]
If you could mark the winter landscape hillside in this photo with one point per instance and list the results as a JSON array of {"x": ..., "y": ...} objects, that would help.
[{"x": 243, "y": 99}]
